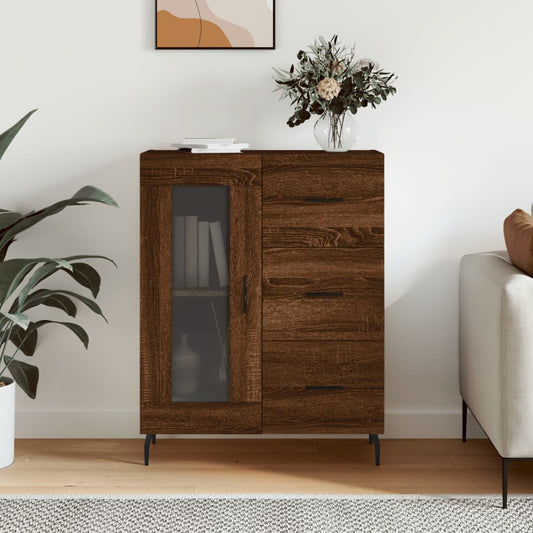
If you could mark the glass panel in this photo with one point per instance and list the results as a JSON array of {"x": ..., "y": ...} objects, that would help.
[{"x": 200, "y": 294}]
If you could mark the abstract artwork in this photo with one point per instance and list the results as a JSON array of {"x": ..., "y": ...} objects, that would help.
[{"x": 214, "y": 24}]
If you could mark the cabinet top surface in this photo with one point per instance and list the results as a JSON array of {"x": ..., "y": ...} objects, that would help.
[{"x": 167, "y": 153}]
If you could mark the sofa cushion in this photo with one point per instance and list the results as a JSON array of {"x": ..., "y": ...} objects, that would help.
[{"x": 518, "y": 233}]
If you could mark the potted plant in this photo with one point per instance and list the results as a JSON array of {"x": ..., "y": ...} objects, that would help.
[
  {"x": 329, "y": 82},
  {"x": 21, "y": 290}
]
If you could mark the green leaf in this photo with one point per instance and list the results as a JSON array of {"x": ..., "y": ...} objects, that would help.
[
  {"x": 25, "y": 341},
  {"x": 19, "y": 319},
  {"x": 84, "y": 195},
  {"x": 26, "y": 376},
  {"x": 86, "y": 276},
  {"x": 77, "y": 330},
  {"x": 12, "y": 273},
  {"x": 10, "y": 134},
  {"x": 8, "y": 218},
  {"x": 50, "y": 298},
  {"x": 41, "y": 297}
]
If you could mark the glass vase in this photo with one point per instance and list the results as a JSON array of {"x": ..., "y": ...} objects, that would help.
[{"x": 336, "y": 132}]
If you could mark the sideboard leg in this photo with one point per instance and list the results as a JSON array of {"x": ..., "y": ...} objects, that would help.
[
  {"x": 147, "y": 441},
  {"x": 465, "y": 412},
  {"x": 373, "y": 437},
  {"x": 505, "y": 475}
]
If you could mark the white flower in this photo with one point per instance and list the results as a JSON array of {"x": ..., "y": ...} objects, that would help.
[
  {"x": 328, "y": 88},
  {"x": 360, "y": 64}
]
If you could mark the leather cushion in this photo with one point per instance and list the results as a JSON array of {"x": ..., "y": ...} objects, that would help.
[{"x": 518, "y": 233}]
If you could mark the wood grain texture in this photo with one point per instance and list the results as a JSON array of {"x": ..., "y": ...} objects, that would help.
[
  {"x": 297, "y": 410},
  {"x": 289, "y": 275},
  {"x": 292, "y": 180},
  {"x": 288, "y": 236},
  {"x": 201, "y": 418},
  {"x": 171, "y": 167},
  {"x": 245, "y": 328},
  {"x": 155, "y": 294},
  {"x": 260, "y": 465},
  {"x": 357, "y": 365}
]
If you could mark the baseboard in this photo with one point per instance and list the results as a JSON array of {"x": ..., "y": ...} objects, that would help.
[{"x": 399, "y": 424}]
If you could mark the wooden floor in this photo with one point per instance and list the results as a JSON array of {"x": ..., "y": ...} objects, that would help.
[{"x": 259, "y": 466}]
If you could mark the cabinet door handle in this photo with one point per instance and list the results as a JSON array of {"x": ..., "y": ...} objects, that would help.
[
  {"x": 245, "y": 294},
  {"x": 324, "y": 200},
  {"x": 324, "y": 387},
  {"x": 323, "y": 294}
]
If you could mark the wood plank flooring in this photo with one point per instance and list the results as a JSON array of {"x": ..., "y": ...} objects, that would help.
[{"x": 314, "y": 466}]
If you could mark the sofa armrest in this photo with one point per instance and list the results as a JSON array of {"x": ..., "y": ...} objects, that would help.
[{"x": 496, "y": 349}]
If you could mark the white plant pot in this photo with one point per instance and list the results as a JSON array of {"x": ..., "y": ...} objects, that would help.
[{"x": 7, "y": 423}]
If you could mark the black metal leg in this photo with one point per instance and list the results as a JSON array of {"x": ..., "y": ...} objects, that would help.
[
  {"x": 505, "y": 475},
  {"x": 369, "y": 439},
  {"x": 147, "y": 441},
  {"x": 153, "y": 439},
  {"x": 377, "y": 446},
  {"x": 465, "y": 411}
]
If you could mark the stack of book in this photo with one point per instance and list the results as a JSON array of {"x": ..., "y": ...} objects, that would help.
[
  {"x": 190, "y": 243},
  {"x": 210, "y": 145}
]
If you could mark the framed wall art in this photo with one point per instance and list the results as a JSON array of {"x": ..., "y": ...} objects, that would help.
[{"x": 212, "y": 24}]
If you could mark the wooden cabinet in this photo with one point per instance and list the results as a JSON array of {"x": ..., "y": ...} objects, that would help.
[{"x": 305, "y": 295}]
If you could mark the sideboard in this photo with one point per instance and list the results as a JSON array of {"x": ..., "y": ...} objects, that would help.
[{"x": 262, "y": 293}]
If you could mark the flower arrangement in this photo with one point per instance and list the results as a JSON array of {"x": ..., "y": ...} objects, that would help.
[{"x": 329, "y": 80}]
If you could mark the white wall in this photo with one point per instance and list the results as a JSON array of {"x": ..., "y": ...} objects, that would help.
[{"x": 457, "y": 139}]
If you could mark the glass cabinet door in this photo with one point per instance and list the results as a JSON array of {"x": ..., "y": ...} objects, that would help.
[{"x": 200, "y": 294}]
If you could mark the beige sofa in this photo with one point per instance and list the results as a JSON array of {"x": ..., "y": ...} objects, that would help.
[{"x": 496, "y": 353}]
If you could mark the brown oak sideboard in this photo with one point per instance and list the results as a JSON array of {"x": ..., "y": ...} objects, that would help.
[{"x": 262, "y": 293}]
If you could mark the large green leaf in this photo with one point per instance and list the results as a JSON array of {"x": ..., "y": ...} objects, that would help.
[
  {"x": 77, "y": 330},
  {"x": 8, "y": 218},
  {"x": 42, "y": 296},
  {"x": 87, "y": 276},
  {"x": 26, "y": 376},
  {"x": 49, "y": 298},
  {"x": 13, "y": 272},
  {"x": 10, "y": 134},
  {"x": 84, "y": 195},
  {"x": 25, "y": 341}
]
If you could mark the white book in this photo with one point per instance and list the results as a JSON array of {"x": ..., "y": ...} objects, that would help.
[
  {"x": 219, "y": 251},
  {"x": 208, "y": 146},
  {"x": 208, "y": 140},
  {"x": 222, "y": 150},
  {"x": 203, "y": 254},
  {"x": 178, "y": 251},
  {"x": 191, "y": 252}
]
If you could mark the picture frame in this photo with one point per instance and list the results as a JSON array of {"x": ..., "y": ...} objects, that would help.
[{"x": 215, "y": 24}]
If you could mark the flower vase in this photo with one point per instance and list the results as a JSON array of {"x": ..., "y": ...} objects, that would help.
[
  {"x": 185, "y": 369},
  {"x": 336, "y": 132}
]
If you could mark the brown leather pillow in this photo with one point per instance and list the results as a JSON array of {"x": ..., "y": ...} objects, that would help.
[{"x": 518, "y": 233}]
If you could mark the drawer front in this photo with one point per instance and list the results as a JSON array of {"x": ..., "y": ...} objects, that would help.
[
  {"x": 320, "y": 201},
  {"x": 331, "y": 364},
  {"x": 323, "y": 294},
  {"x": 300, "y": 410}
]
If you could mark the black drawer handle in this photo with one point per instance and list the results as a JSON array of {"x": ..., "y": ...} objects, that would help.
[
  {"x": 324, "y": 387},
  {"x": 324, "y": 200},
  {"x": 323, "y": 294}
]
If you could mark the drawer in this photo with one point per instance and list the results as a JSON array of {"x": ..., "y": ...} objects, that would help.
[
  {"x": 300, "y": 410},
  {"x": 314, "y": 201},
  {"x": 322, "y": 294},
  {"x": 312, "y": 365}
]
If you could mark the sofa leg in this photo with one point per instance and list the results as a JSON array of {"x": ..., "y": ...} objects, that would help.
[
  {"x": 505, "y": 475},
  {"x": 465, "y": 412}
]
